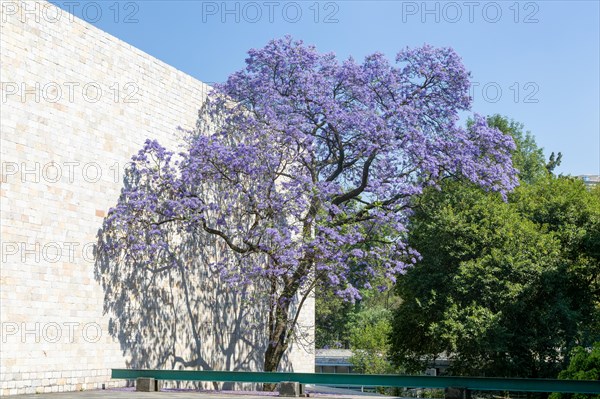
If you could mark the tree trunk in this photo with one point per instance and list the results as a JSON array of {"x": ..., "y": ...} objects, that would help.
[
  {"x": 279, "y": 322},
  {"x": 278, "y": 339}
]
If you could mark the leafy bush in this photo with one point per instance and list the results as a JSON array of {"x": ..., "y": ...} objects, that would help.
[{"x": 584, "y": 365}]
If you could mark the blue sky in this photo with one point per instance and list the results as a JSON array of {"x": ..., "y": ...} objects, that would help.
[{"x": 534, "y": 61}]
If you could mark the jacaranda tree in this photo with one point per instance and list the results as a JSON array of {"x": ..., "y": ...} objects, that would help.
[{"x": 297, "y": 161}]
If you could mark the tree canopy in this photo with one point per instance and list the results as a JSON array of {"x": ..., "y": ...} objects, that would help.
[
  {"x": 584, "y": 365},
  {"x": 298, "y": 160},
  {"x": 502, "y": 288}
]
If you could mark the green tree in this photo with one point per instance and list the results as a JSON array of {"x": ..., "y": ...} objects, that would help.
[
  {"x": 369, "y": 341},
  {"x": 584, "y": 365},
  {"x": 527, "y": 157},
  {"x": 332, "y": 315},
  {"x": 564, "y": 208},
  {"x": 472, "y": 294},
  {"x": 503, "y": 288}
]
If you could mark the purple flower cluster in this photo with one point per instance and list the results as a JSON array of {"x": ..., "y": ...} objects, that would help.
[{"x": 303, "y": 167}]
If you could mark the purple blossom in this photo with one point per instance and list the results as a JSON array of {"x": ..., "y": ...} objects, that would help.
[{"x": 301, "y": 164}]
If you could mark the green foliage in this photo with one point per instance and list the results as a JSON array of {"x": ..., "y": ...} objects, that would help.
[
  {"x": 553, "y": 162},
  {"x": 584, "y": 365},
  {"x": 369, "y": 341},
  {"x": 363, "y": 327},
  {"x": 571, "y": 213},
  {"x": 331, "y": 319},
  {"x": 527, "y": 158},
  {"x": 503, "y": 288},
  {"x": 370, "y": 329},
  {"x": 368, "y": 362},
  {"x": 506, "y": 289},
  {"x": 434, "y": 393}
]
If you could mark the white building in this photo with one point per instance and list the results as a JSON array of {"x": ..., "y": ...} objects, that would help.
[
  {"x": 590, "y": 180},
  {"x": 76, "y": 104}
]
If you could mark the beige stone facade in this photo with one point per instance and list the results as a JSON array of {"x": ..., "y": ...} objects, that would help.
[{"x": 76, "y": 104}]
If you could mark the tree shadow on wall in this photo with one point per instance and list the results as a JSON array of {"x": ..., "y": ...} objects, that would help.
[{"x": 182, "y": 316}]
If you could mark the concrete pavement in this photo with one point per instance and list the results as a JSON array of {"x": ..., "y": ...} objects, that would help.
[{"x": 180, "y": 394}]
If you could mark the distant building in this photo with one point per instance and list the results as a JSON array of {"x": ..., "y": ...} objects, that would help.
[
  {"x": 333, "y": 361},
  {"x": 590, "y": 180},
  {"x": 337, "y": 361}
]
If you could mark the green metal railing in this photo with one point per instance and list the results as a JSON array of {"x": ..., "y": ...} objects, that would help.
[{"x": 412, "y": 381}]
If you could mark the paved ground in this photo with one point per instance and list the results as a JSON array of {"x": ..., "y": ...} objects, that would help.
[
  {"x": 113, "y": 394},
  {"x": 130, "y": 393},
  {"x": 109, "y": 394}
]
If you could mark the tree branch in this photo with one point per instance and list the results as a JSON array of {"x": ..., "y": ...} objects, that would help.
[{"x": 363, "y": 184}]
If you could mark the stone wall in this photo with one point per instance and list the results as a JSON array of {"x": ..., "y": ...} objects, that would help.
[{"x": 76, "y": 103}]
